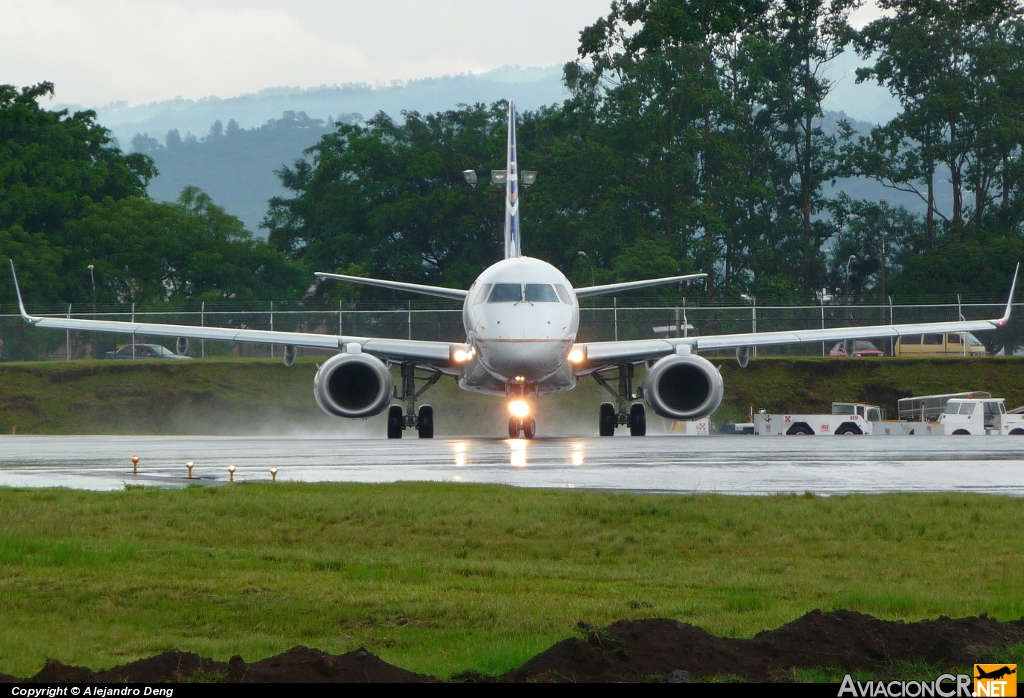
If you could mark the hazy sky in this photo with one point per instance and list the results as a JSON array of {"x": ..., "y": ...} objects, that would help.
[{"x": 99, "y": 51}]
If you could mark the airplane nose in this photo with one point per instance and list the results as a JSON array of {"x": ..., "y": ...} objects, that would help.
[{"x": 530, "y": 361}]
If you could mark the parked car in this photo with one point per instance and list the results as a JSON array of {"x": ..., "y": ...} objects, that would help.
[
  {"x": 956, "y": 343},
  {"x": 861, "y": 347},
  {"x": 144, "y": 351}
]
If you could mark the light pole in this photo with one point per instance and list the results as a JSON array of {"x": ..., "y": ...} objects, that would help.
[
  {"x": 753, "y": 315},
  {"x": 850, "y": 259},
  {"x": 882, "y": 259},
  {"x": 92, "y": 278},
  {"x": 583, "y": 254}
]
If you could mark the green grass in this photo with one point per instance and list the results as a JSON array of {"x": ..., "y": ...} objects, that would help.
[
  {"x": 246, "y": 396},
  {"x": 445, "y": 578}
]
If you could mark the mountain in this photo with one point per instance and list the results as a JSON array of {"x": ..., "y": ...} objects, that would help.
[
  {"x": 530, "y": 87},
  {"x": 230, "y": 147},
  {"x": 233, "y": 165}
]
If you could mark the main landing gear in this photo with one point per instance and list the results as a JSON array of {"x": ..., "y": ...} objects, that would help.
[
  {"x": 423, "y": 420},
  {"x": 622, "y": 413}
]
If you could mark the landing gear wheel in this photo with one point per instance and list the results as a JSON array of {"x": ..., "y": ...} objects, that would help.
[
  {"x": 513, "y": 427},
  {"x": 529, "y": 428},
  {"x": 425, "y": 423},
  {"x": 608, "y": 420},
  {"x": 637, "y": 420},
  {"x": 396, "y": 422}
]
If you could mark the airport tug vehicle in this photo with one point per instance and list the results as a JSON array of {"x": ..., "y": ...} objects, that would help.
[
  {"x": 847, "y": 419},
  {"x": 980, "y": 417}
]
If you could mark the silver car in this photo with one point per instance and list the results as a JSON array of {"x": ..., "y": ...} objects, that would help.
[{"x": 144, "y": 351}]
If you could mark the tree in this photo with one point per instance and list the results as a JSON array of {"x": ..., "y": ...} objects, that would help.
[
  {"x": 957, "y": 71},
  {"x": 149, "y": 252},
  {"x": 390, "y": 198},
  {"x": 69, "y": 198},
  {"x": 53, "y": 165}
]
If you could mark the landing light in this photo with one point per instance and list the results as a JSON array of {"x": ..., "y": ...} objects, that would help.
[
  {"x": 519, "y": 408},
  {"x": 461, "y": 356},
  {"x": 576, "y": 356}
]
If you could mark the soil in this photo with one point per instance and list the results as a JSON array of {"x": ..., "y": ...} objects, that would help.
[
  {"x": 641, "y": 650},
  {"x": 657, "y": 647},
  {"x": 297, "y": 665}
]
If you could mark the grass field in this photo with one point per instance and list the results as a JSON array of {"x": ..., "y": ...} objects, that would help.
[
  {"x": 246, "y": 396},
  {"x": 442, "y": 578}
]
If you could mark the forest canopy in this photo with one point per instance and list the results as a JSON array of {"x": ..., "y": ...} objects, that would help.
[{"x": 69, "y": 199}]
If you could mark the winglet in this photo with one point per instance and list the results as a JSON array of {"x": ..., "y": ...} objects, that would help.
[
  {"x": 17, "y": 291},
  {"x": 1009, "y": 303}
]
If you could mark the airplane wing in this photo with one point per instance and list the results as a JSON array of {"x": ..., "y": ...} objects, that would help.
[
  {"x": 453, "y": 293},
  {"x": 439, "y": 354},
  {"x": 588, "y": 291},
  {"x": 600, "y": 354}
]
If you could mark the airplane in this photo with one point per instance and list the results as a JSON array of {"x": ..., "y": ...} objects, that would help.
[
  {"x": 521, "y": 318},
  {"x": 995, "y": 674}
]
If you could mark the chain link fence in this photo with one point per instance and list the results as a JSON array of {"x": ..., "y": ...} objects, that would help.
[{"x": 427, "y": 320}]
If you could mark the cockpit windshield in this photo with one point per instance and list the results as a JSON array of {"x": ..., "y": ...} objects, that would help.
[
  {"x": 540, "y": 293},
  {"x": 506, "y": 293}
]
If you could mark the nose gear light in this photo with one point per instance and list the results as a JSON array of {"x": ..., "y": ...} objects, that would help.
[{"x": 519, "y": 408}]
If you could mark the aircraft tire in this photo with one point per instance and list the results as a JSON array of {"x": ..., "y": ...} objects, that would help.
[
  {"x": 396, "y": 422},
  {"x": 425, "y": 423},
  {"x": 513, "y": 427},
  {"x": 637, "y": 419},
  {"x": 607, "y": 420},
  {"x": 529, "y": 428}
]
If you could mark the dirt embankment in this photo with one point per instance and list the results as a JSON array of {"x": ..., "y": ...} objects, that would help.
[{"x": 642, "y": 650}]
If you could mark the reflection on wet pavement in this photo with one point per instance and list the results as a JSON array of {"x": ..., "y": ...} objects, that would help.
[{"x": 735, "y": 465}]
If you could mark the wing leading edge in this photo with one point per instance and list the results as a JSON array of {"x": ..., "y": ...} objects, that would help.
[
  {"x": 589, "y": 291},
  {"x": 441, "y": 291},
  {"x": 433, "y": 353},
  {"x": 635, "y": 351}
]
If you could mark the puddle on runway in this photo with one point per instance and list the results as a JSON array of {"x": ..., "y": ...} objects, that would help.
[{"x": 732, "y": 465}]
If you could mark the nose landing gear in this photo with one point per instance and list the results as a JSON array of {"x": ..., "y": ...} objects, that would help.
[
  {"x": 527, "y": 426},
  {"x": 611, "y": 416}
]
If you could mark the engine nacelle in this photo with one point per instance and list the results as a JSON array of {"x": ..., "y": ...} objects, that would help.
[
  {"x": 684, "y": 387},
  {"x": 353, "y": 386}
]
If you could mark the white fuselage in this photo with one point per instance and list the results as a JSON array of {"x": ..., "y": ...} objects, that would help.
[{"x": 521, "y": 317}]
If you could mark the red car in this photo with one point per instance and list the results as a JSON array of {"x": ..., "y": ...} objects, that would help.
[{"x": 861, "y": 347}]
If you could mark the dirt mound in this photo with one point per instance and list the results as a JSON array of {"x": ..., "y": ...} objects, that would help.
[
  {"x": 623, "y": 651},
  {"x": 297, "y": 665},
  {"x": 634, "y": 650},
  {"x": 305, "y": 665}
]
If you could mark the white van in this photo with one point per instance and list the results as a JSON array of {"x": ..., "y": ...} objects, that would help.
[{"x": 980, "y": 417}]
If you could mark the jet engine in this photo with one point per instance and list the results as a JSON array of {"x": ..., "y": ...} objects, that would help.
[
  {"x": 683, "y": 387},
  {"x": 353, "y": 385}
]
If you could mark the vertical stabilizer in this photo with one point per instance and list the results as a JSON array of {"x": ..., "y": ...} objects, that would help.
[{"x": 512, "y": 247}]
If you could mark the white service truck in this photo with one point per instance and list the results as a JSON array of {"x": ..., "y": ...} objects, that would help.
[
  {"x": 847, "y": 418},
  {"x": 980, "y": 417}
]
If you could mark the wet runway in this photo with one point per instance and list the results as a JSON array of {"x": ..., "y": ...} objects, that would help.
[{"x": 731, "y": 465}]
